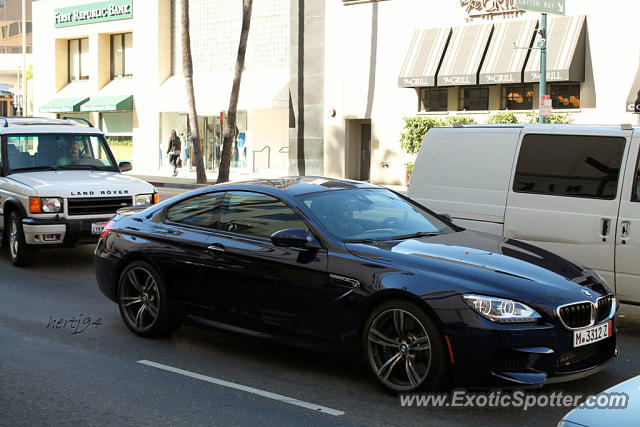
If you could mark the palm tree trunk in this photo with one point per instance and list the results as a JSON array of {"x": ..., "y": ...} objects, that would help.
[
  {"x": 187, "y": 65},
  {"x": 230, "y": 127}
]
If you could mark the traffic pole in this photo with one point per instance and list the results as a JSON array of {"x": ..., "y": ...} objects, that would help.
[{"x": 543, "y": 63}]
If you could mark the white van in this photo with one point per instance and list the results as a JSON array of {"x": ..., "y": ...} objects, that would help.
[{"x": 572, "y": 190}]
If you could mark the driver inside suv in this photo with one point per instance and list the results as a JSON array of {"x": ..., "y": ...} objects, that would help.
[{"x": 72, "y": 154}]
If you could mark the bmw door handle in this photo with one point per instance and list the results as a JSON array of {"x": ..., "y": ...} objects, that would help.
[{"x": 217, "y": 247}]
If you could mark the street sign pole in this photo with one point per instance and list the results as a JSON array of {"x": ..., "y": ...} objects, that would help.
[{"x": 543, "y": 63}]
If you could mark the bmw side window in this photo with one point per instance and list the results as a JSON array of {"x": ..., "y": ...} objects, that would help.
[
  {"x": 569, "y": 165},
  {"x": 199, "y": 211},
  {"x": 257, "y": 215}
]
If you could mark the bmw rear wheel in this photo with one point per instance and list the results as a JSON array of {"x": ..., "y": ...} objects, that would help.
[
  {"x": 142, "y": 298},
  {"x": 403, "y": 348}
]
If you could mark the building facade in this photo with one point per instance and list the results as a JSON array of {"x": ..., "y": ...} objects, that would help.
[
  {"x": 327, "y": 83},
  {"x": 15, "y": 89},
  {"x": 118, "y": 64},
  {"x": 406, "y": 58}
]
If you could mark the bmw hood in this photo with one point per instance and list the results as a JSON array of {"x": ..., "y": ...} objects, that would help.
[
  {"x": 486, "y": 264},
  {"x": 82, "y": 183}
]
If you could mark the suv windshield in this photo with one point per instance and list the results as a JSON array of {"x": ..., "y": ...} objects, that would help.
[
  {"x": 372, "y": 214},
  {"x": 57, "y": 151}
]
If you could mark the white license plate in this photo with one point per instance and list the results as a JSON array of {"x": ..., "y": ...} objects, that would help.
[
  {"x": 97, "y": 227},
  {"x": 592, "y": 334}
]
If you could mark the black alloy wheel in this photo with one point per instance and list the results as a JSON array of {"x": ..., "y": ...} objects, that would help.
[
  {"x": 19, "y": 252},
  {"x": 404, "y": 349},
  {"x": 142, "y": 298}
]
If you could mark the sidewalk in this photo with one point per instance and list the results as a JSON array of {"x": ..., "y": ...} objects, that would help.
[{"x": 187, "y": 179}]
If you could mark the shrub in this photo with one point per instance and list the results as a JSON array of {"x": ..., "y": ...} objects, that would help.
[
  {"x": 409, "y": 167},
  {"x": 502, "y": 118},
  {"x": 415, "y": 128},
  {"x": 463, "y": 120},
  {"x": 555, "y": 118},
  {"x": 119, "y": 141}
]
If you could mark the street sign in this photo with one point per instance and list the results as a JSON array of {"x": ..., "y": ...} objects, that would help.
[
  {"x": 546, "y": 109},
  {"x": 544, "y": 6}
]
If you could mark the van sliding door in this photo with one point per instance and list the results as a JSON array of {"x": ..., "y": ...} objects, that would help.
[
  {"x": 565, "y": 194},
  {"x": 628, "y": 231}
]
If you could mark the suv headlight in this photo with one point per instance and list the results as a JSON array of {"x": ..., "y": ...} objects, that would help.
[
  {"x": 45, "y": 204},
  {"x": 501, "y": 310},
  {"x": 145, "y": 199}
]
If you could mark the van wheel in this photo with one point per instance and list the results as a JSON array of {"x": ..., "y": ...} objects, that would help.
[{"x": 19, "y": 252}]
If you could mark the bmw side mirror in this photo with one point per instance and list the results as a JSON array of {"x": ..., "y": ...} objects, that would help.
[
  {"x": 125, "y": 166},
  {"x": 295, "y": 238}
]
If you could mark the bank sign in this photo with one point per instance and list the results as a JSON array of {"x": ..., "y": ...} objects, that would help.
[{"x": 94, "y": 12}]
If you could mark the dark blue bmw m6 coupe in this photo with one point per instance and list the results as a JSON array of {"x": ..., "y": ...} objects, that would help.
[{"x": 353, "y": 267}]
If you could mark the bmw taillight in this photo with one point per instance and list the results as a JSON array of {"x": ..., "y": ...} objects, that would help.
[{"x": 107, "y": 228}]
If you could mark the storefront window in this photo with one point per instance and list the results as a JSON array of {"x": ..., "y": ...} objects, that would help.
[
  {"x": 474, "y": 99},
  {"x": 434, "y": 99},
  {"x": 517, "y": 97},
  {"x": 118, "y": 128},
  {"x": 78, "y": 55},
  {"x": 121, "y": 55},
  {"x": 565, "y": 96}
]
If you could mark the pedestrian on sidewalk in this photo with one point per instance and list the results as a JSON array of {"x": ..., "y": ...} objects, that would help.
[{"x": 174, "y": 151}]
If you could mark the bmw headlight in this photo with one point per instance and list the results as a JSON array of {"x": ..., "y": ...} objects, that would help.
[
  {"x": 143, "y": 199},
  {"x": 501, "y": 310}
]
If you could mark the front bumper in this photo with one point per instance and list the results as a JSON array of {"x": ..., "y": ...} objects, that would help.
[
  {"x": 490, "y": 354},
  {"x": 59, "y": 232}
]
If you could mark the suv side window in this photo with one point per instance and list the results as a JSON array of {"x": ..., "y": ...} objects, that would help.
[
  {"x": 257, "y": 215},
  {"x": 569, "y": 165},
  {"x": 200, "y": 211}
]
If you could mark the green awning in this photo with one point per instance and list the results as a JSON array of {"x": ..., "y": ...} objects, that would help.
[
  {"x": 63, "y": 105},
  {"x": 109, "y": 103}
]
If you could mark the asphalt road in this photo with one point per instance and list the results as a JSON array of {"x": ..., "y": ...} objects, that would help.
[{"x": 89, "y": 372}]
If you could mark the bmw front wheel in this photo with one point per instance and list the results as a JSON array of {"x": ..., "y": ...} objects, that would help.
[{"x": 403, "y": 348}]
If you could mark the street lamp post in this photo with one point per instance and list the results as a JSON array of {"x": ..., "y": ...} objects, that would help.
[
  {"x": 543, "y": 63},
  {"x": 24, "y": 58}
]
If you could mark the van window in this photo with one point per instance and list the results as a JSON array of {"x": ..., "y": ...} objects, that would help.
[
  {"x": 635, "y": 193},
  {"x": 569, "y": 165}
]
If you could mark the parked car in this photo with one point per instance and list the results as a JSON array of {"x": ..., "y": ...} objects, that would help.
[
  {"x": 354, "y": 267},
  {"x": 59, "y": 185},
  {"x": 572, "y": 190},
  {"x": 616, "y": 406}
]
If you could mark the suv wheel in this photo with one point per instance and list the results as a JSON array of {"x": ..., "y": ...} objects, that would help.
[{"x": 19, "y": 252}]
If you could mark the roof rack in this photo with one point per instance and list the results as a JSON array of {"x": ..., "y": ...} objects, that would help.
[
  {"x": 78, "y": 119},
  {"x": 6, "y": 122}
]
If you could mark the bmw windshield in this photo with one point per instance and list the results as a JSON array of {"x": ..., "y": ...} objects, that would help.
[
  {"x": 29, "y": 152},
  {"x": 370, "y": 215}
]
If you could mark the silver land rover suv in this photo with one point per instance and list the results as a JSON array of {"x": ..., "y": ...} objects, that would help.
[{"x": 59, "y": 185}]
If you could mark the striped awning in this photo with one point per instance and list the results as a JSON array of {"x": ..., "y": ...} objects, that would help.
[
  {"x": 464, "y": 54},
  {"x": 565, "y": 51},
  {"x": 633, "y": 99},
  {"x": 507, "y": 52},
  {"x": 423, "y": 58}
]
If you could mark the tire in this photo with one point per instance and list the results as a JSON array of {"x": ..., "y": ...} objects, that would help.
[
  {"x": 143, "y": 301},
  {"x": 19, "y": 252},
  {"x": 404, "y": 350}
]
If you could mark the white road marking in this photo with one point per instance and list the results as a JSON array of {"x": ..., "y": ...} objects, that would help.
[{"x": 267, "y": 394}]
